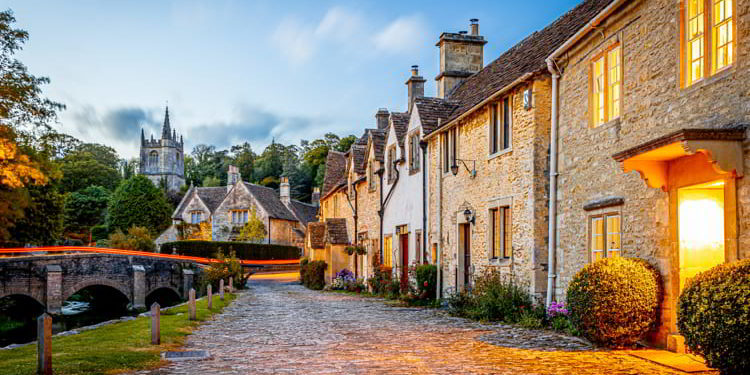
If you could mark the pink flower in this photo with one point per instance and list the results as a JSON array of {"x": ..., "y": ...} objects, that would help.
[{"x": 425, "y": 283}]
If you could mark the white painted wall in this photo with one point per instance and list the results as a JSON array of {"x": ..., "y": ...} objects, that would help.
[{"x": 405, "y": 205}]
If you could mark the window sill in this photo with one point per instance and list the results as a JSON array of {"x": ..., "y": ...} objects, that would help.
[
  {"x": 500, "y": 153},
  {"x": 718, "y": 76},
  {"x": 608, "y": 124},
  {"x": 500, "y": 261}
]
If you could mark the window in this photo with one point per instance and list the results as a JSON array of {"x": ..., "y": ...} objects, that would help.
[
  {"x": 606, "y": 78},
  {"x": 418, "y": 246},
  {"x": 453, "y": 141},
  {"x": 335, "y": 205},
  {"x": 414, "y": 152},
  {"x": 387, "y": 256},
  {"x": 434, "y": 254},
  {"x": 153, "y": 159},
  {"x": 371, "y": 175},
  {"x": 446, "y": 152},
  {"x": 718, "y": 15},
  {"x": 527, "y": 100},
  {"x": 239, "y": 216},
  {"x": 391, "y": 164},
  {"x": 501, "y": 232},
  {"x": 605, "y": 236},
  {"x": 196, "y": 217},
  {"x": 500, "y": 118}
]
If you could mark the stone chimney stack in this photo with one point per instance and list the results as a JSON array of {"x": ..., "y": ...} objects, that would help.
[
  {"x": 284, "y": 190},
  {"x": 233, "y": 177},
  {"x": 315, "y": 199},
  {"x": 415, "y": 85},
  {"x": 461, "y": 55},
  {"x": 382, "y": 118}
]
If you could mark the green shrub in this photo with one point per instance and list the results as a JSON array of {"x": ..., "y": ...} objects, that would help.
[
  {"x": 138, "y": 202},
  {"x": 99, "y": 232},
  {"x": 137, "y": 238},
  {"x": 244, "y": 250},
  {"x": 495, "y": 297},
  {"x": 226, "y": 267},
  {"x": 531, "y": 321},
  {"x": 380, "y": 280},
  {"x": 393, "y": 289},
  {"x": 713, "y": 314},
  {"x": 426, "y": 276},
  {"x": 313, "y": 274},
  {"x": 615, "y": 301}
]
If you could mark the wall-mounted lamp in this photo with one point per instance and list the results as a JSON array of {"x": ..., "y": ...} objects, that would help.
[
  {"x": 472, "y": 172},
  {"x": 470, "y": 218}
]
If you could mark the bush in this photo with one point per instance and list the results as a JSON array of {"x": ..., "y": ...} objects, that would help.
[
  {"x": 713, "y": 314},
  {"x": 380, "y": 280},
  {"x": 226, "y": 267},
  {"x": 313, "y": 274},
  {"x": 138, "y": 202},
  {"x": 426, "y": 276},
  {"x": 530, "y": 321},
  {"x": 99, "y": 232},
  {"x": 497, "y": 297},
  {"x": 137, "y": 238},
  {"x": 615, "y": 301},
  {"x": 244, "y": 250}
]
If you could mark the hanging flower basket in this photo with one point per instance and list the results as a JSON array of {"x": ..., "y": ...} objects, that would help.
[{"x": 359, "y": 250}]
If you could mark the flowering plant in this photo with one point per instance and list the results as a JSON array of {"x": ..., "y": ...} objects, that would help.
[
  {"x": 557, "y": 309},
  {"x": 342, "y": 279}
]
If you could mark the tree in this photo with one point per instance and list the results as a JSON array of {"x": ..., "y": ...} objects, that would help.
[
  {"x": 90, "y": 164},
  {"x": 137, "y": 238},
  {"x": 86, "y": 208},
  {"x": 129, "y": 167},
  {"x": 211, "y": 181},
  {"x": 244, "y": 158},
  {"x": 345, "y": 143},
  {"x": 254, "y": 230},
  {"x": 137, "y": 202},
  {"x": 42, "y": 221}
]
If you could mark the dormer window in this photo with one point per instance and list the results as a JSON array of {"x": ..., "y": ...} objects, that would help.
[{"x": 196, "y": 217}]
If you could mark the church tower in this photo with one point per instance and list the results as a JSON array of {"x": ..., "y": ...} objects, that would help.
[{"x": 162, "y": 160}]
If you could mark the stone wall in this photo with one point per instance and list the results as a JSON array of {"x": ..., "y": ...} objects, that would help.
[
  {"x": 237, "y": 199},
  {"x": 368, "y": 222},
  {"x": 654, "y": 104},
  {"x": 515, "y": 177}
]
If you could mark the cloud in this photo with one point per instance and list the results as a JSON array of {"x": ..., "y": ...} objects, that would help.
[
  {"x": 120, "y": 124},
  {"x": 403, "y": 34}
]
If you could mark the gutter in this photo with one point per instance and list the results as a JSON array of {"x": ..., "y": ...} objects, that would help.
[{"x": 490, "y": 98}]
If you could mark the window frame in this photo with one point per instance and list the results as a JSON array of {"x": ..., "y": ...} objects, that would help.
[
  {"x": 603, "y": 215},
  {"x": 194, "y": 214},
  {"x": 414, "y": 156},
  {"x": 708, "y": 39},
  {"x": 390, "y": 159},
  {"x": 604, "y": 57},
  {"x": 505, "y": 214},
  {"x": 241, "y": 214},
  {"x": 387, "y": 260}
]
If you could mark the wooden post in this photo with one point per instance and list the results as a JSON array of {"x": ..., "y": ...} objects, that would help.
[
  {"x": 221, "y": 289},
  {"x": 191, "y": 304},
  {"x": 44, "y": 344},
  {"x": 231, "y": 285},
  {"x": 210, "y": 296},
  {"x": 155, "y": 324}
]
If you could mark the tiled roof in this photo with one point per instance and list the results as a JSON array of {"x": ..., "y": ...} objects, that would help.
[
  {"x": 212, "y": 196},
  {"x": 432, "y": 109},
  {"x": 358, "y": 154},
  {"x": 269, "y": 199},
  {"x": 305, "y": 212},
  {"x": 335, "y": 172},
  {"x": 400, "y": 122},
  {"x": 317, "y": 232},
  {"x": 377, "y": 137},
  {"x": 528, "y": 56},
  {"x": 362, "y": 141},
  {"x": 336, "y": 233}
]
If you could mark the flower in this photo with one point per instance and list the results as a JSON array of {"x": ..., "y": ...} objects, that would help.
[{"x": 425, "y": 284}]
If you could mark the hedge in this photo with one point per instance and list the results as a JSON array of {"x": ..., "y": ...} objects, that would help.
[
  {"x": 244, "y": 250},
  {"x": 312, "y": 274},
  {"x": 713, "y": 314}
]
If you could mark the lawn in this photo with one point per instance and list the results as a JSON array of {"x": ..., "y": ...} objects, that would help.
[{"x": 119, "y": 347}]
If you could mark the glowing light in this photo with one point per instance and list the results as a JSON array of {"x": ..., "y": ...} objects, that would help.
[{"x": 701, "y": 228}]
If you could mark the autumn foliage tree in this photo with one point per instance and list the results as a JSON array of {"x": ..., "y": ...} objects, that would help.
[{"x": 254, "y": 230}]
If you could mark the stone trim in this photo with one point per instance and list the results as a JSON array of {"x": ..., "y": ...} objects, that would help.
[
  {"x": 495, "y": 203},
  {"x": 727, "y": 134},
  {"x": 603, "y": 202}
]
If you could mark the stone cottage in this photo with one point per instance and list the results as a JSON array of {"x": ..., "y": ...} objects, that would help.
[
  {"x": 651, "y": 141},
  {"x": 228, "y": 208}
]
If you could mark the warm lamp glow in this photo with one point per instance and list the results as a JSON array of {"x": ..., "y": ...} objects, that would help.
[{"x": 701, "y": 228}]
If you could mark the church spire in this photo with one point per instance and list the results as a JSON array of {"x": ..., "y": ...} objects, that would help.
[
  {"x": 143, "y": 137},
  {"x": 165, "y": 130}
]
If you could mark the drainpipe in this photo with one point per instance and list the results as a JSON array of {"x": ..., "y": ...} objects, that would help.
[
  {"x": 552, "y": 218},
  {"x": 269, "y": 229},
  {"x": 423, "y": 146},
  {"x": 439, "y": 217}
]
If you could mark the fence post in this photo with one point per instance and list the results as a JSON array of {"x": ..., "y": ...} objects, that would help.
[
  {"x": 231, "y": 284},
  {"x": 210, "y": 296},
  {"x": 191, "y": 304},
  {"x": 155, "y": 324},
  {"x": 44, "y": 344},
  {"x": 221, "y": 289}
]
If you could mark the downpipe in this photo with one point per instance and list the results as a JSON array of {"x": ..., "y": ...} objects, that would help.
[{"x": 552, "y": 211}]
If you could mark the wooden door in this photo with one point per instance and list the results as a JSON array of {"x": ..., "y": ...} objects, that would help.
[
  {"x": 467, "y": 254},
  {"x": 404, "y": 238}
]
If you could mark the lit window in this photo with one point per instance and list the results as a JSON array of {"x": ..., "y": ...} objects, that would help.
[
  {"x": 502, "y": 246},
  {"x": 723, "y": 37},
  {"x": 717, "y": 16},
  {"x": 695, "y": 39},
  {"x": 239, "y": 216},
  {"x": 434, "y": 254},
  {"x": 605, "y": 236},
  {"x": 387, "y": 256},
  {"x": 606, "y": 77}
]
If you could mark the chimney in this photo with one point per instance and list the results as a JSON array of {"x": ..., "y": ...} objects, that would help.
[
  {"x": 233, "y": 177},
  {"x": 284, "y": 190},
  {"x": 315, "y": 198},
  {"x": 415, "y": 85},
  {"x": 461, "y": 55},
  {"x": 382, "y": 118}
]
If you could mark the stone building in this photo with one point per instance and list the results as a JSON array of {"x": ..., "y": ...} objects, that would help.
[
  {"x": 229, "y": 207},
  {"x": 162, "y": 160},
  {"x": 653, "y": 98}
]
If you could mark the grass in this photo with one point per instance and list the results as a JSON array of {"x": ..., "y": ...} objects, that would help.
[
  {"x": 119, "y": 347},
  {"x": 7, "y": 324}
]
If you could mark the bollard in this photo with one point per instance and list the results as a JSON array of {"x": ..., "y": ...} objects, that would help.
[
  {"x": 210, "y": 296},
  {"x": 155, "y": 324},
  {"x": 191, "y": 304},
  {"x": 231, "y": 285},
  {"x": 44, "y": 344},
  {"x": 221, "y": 289}
]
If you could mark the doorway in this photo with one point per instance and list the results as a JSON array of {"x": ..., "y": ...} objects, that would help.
[
  {"x": 464, "y": 231},
  {"x": 701, "y": 236},
  {"x": 404, "y": 246}
]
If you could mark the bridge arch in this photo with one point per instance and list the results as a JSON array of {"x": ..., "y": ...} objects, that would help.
[
  {"x": 13, "y": 292},
  {"x": 165, "y": 295},
  {"x": 125, "y": 290}
]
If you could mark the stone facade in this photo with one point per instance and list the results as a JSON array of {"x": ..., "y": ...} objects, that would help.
[
  {"x": 162, "y": 160},
  {"x": 514, "y": 178},
  {"x": 654, "y": 103}
]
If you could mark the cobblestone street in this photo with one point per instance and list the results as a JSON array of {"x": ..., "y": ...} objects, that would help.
[{"x": 278, "y": 327}]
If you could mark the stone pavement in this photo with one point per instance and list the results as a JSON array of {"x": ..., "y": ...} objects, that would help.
[{"x": 282, "y": 328}]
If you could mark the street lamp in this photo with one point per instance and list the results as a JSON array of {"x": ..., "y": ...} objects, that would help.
[
  {"x": 472, "y": 172},
  {"x": 469, "y": 216}
]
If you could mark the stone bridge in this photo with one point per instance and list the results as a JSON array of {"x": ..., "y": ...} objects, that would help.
[{"x": 50, "y": 280}]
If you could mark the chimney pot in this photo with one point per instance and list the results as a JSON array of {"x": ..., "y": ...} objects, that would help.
[
  {"x": 474, "y": 26},
  {"x": 415, "y": 70}
]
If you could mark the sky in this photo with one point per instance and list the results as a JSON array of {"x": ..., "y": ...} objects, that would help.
[{"x": 237, "y": 71}]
